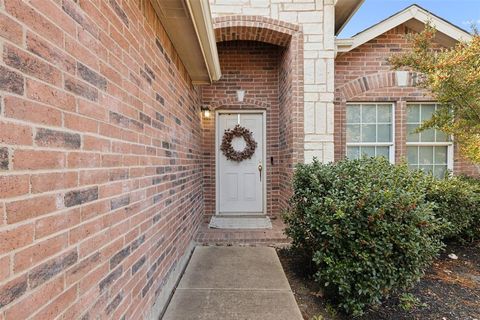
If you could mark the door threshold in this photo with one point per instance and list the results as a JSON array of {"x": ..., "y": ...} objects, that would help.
[{"x": 240, "y": 222}]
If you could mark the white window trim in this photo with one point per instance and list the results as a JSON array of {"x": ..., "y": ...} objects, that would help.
[
  {"x": 391, "y": 145},
  {"x": 449, "y": 145}
]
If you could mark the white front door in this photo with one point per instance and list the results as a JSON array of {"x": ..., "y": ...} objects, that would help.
[{"x": 240, "y": 185}]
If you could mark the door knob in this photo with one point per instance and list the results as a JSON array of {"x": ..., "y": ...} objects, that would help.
[{"x": 260, "y": 168}]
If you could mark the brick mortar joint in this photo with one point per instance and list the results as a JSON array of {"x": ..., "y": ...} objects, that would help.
[
  {"x": 63, "y": 209},
  {"x": 254, "y": 18},
  {"x": 63, "y": 73},
  {"x": 35, "y": 125}
]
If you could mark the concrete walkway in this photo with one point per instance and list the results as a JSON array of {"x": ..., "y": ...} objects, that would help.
[{"x": 233, "y": 283}]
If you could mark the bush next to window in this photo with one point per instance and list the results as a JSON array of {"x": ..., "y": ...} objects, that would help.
[
  {"x": 453, "y": 77},
  {"x": 366, "y": 225},
  {"x": 457, "y": 201}
]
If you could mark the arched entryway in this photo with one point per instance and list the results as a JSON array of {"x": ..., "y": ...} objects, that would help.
[{"x": 264, "y": 58}]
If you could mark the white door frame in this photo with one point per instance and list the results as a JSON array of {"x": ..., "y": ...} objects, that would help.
[{"x": 264, "y": 154}]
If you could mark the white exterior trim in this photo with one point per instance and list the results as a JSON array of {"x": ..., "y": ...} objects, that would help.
[
  {"x": 412, "y": 12},
  {"x": 202, "y": 17}
]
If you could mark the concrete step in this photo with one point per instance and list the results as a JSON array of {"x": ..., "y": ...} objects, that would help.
[{"x": 240, "y": 222}]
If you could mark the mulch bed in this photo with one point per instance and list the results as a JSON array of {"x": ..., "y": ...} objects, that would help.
[{"x": 450, "y": 290}]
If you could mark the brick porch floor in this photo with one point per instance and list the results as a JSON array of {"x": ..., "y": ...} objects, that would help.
[{"x": 274, "y": 236}]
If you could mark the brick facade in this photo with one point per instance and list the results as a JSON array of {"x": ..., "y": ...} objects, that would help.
[
  {"x": 316, "y": 20},
  {"x": 253, "y": 67},
  {"x": 263, "y": 57},
  {"x": 364, "y": 75},
  {"x": 107, "y": 166},
  {"x": 100, "y": 159}
]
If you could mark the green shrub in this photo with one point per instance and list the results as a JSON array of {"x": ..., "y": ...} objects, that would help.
[
  {"x": 457, "y": 201},
  {"x": 366, "y": 225}
]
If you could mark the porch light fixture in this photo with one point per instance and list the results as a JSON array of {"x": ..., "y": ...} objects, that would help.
[
  {"x": 240, "y": 95},
  {"x": 402, "y": 78},
  {"x": 206, "y": 111}
]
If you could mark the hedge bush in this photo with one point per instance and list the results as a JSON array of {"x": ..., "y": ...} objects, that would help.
[
  {"x": 457, "y": 201},
  {"x": 366, "y": 225}
]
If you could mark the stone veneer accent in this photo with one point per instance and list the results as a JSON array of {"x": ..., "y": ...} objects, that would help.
[{"x": 316, "y": 20}]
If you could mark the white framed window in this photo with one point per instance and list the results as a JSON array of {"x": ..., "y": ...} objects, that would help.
[
  {"x": 370, "y": 130},
  {"x": 430, "y": 150}
]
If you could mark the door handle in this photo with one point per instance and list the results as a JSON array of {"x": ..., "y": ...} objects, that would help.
[{"x": 260, "y": 168}]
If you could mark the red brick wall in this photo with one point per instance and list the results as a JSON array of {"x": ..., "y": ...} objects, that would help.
[
  {"x": 364, "y": 75},
  {"x": 253, "y": 67},
  {"x": 100, "y": 159},
  {"x": 291, "y": 134},
  {"x": 284, "y": 102}
]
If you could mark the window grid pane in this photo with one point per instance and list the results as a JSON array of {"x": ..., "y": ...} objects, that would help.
[
  {"x": 416, "y": 114},
  {"x": 369, "y": 130},
  {"x": 369, "y": 123},
  {"x": 431, "y": 159}
]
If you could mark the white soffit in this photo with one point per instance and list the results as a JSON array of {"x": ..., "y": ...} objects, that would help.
[
  {"x": 415, "y": 18},
  {"x": 344, "y": 11},
  {"x": 189, "y": 27}
]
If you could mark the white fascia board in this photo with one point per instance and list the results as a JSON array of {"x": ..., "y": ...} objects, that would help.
[
  {"x": 188, "y": 24},
  {"x": 442, "y": 26},
  {"x": 412, "y": 12},
  {"x": 202, "y": 20}
]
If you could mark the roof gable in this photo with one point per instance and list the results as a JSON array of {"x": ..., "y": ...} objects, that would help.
[{"x": 415, "y": 17}]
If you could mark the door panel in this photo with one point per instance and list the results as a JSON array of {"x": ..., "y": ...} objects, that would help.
[
  {"x": 240, "y": 189},
  {"x": 249, "y": 186},
  {"x": 231, "y": 186}
]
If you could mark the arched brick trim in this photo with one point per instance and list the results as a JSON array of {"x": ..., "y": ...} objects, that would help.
[
  {"x": 247, "y": 103},
  {"x": 373, "y": 81},
  {"x": 363, "y": 89},
  {"x": 285, "y": 109},
  {"x": 254, "y": 28},
  {"x": 288, "y": 35},
  {"x": 277, "y": 32}
]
